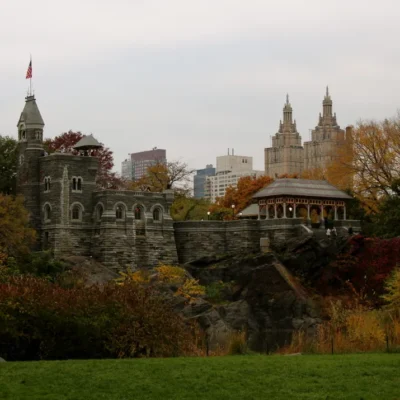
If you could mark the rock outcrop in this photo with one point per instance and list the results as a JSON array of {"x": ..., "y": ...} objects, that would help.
[{"x": 257, "y": 294}]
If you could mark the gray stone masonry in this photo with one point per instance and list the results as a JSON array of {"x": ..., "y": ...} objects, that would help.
[{"x": 196, "y": 239}]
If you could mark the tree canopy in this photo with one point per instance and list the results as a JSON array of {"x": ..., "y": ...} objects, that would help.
[
  {"x": 8, "y": 164},
  {"x": 16, "y": 237},
  {"x": 65, "y": 143},
  {"x": 241, "y": 195},
  {"x": 171, "y": 175}
]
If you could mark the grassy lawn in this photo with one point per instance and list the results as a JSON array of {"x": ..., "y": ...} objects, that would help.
[{"x": 362, "y": 376}]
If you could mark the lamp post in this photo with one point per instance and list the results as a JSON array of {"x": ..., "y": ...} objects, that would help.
[
  {"x": 290, "y": 210},
  {"x": 208, "y": 214},
  {"x": 240, "y": 215},
  {"x": 233, "y": 211}
]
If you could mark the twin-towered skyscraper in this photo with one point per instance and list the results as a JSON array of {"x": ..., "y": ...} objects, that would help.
[{"x": 288, "y": 156}]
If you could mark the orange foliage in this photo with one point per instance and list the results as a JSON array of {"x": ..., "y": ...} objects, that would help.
[
  {"x": 349, "y": 330},
  {"x": 241, "y": 196}
]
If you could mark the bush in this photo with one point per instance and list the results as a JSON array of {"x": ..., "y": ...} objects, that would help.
[
  {"x": 350, "y": 330},
  {"x": 42, "y": 320},
  {"x": 238, "y": 343}
]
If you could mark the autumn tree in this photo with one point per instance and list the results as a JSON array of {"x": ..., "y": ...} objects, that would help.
[
  {"x": 65, "y": 143},
  {"x": 186, "y": 208},
  {"x": 372, "y": 159},
  {"x": 8, "y": 164},
  {"x": 175, "y": 175},
  {"x": 241, "y": 195},
  {"x": 16, "y": 237}
]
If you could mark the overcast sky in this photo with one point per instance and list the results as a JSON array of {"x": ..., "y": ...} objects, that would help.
[{"x": 197, "y": 76}]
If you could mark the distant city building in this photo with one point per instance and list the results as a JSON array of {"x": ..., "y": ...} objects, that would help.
[
  {"x": 126, "y": 169},
  {"x": 200, "y": 178},
  {"x": 287, "y": 155},
  {"x": 325, "y": 138},
  {"x": 230, "y": 169},
  {"x": 136, "y": 167}
]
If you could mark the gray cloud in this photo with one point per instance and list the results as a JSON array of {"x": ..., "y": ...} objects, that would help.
[{"x": 197, "y": 77}]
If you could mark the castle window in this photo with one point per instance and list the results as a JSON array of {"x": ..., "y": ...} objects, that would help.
[
  {"x": 23, "y": 135},
  {"x": 76, "y": 213},
  {"x": 47, "y": 184},
  {"x": 47, "y": 213},
  {"x": 157, "y": 214},
  {"x": 77, "y": 184},
  {"x": 120, "y": 212},
  {"x": 139, "y": 212},
  {"x": 99, "y": 212}
]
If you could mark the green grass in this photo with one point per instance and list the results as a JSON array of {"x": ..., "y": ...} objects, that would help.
[{"x": 361, "y": 376}]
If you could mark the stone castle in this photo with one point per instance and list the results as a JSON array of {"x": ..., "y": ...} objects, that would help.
[
  {"x": 73, "y": 216},
  {"x": 122, "y": 228},
  {"x": 288, "y": 156}
]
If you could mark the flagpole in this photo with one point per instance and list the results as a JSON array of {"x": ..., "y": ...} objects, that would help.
[{"x": 30, "y": 79}]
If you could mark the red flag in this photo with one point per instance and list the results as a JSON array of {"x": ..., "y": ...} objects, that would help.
[{"x": 29, "y": 72}]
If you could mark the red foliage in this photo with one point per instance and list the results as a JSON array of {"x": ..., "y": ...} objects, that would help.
[
  {"x": 364, "y": 266},
  {"x": 65, "y": 143},
  {"x": 42, "y": 320}
]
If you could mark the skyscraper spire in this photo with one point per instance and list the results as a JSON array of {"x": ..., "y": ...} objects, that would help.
[
  {"x": 327, "y": 91},
  {"x": 287, "y": 98}
]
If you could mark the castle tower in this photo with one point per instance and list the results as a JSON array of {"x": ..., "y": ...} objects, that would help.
[
  {"x": 325, "y": 138},
  {"x": 30, "y": 150},
  {"x": 286, "y": 154}
]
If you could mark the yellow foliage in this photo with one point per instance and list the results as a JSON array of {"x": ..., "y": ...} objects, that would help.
[
  {"x": 393, "y": 291},
  {"x": 141, "y": 276},
  {"x": 190, "y": 288},
  {"x": 349, "y": 330},
  {"x": 170, "y": 274}
]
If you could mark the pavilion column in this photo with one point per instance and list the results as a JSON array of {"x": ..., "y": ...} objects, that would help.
[
  {"x": 259, "y": 213},
  {"x": 322, "y": 212},
  {"x": 284, "y": 210},
  {"x": 276, "y": 211},
  {"x": 308, "y": 211},
  {"x": 294, "y": 210},
  {"x": 336, "y": 216},
  {"x": 266, "y": 212},
  {"x": 344, "y": 212}
]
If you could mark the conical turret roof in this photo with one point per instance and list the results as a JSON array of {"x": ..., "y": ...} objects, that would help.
[{"x": 31, "y": 114}]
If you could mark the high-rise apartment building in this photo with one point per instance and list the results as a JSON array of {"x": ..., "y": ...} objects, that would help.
[
  {"x": 325, "y": 138},
  {"x": 126, "y": 169},
  {"x": 199, "y": 180},
  {"x": 230, "y": 169},
  {"x": 135, "y": 167},
  {"x": 286, "y": 156}
]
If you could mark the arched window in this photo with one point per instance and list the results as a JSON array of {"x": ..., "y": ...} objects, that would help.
[
  {"x": 99, "y": 212},
  {"x": 47, "y": 212},
  {"x": 139, "y": 212},
  {"x": 23, "y": 135},
  {"x": 73, "y": 183},
  {"x": 79, "y": 186},
  {"x": 120, "y": 212},
  {"x": 47, "y": 184},
  {"x": 156, "y": 214},
  {"x": 76, "y": 212}
]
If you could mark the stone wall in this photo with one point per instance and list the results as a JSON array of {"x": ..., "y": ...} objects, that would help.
[
  {"x": 196, "y": 239},
  {"x": 135, "y": 242}
]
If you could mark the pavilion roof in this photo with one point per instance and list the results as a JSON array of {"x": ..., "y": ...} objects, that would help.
[
  {"x": 251, "y": 211},
  {"x": 302, "y": 188},
  {"x": 87, "y": 142}
]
